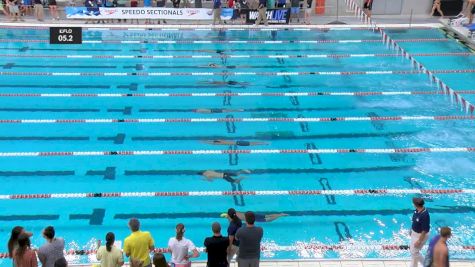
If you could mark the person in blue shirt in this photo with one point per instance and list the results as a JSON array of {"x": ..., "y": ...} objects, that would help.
[
  {"x": 419, "y": 231},
  {"x": 262, "y": 9}
]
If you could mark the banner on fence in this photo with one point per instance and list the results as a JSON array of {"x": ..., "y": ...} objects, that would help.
[
  {"x": 145, "y": 13},
  {"x": 274, "y": 16}
]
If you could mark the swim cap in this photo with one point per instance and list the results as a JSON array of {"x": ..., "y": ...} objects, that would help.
[{"x": 223, "y": 215}]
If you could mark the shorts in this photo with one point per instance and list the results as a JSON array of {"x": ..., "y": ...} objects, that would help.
[
  {"x": 368, "y": 5},
  {"x": 13, "y": 9},
  {"x": 243, "y": 143},
  {"x": 227, "y": 176},
  {"x": 260, "y": 217},
  {"x": 473, "y": 10}
]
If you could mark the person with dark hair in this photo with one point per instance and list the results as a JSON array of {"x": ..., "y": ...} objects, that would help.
[
  {"x": 24, "y": 256},
  {"x": 52, "y": 250},
  {"x": 159, "y": 260},
  {"x": 262, "y": 15},
  {"x": 368, "y": 7},
  {"x": 249, "y": 238},
  {"x": 235, "y": 224},
  {"x": 260, "y": 217},
  {"x": 109, "y": 255},
  {"x": 441, "y": 251},
  {"x": 180, "y": 247},
  {"x": 62, "y": 262},
  {"x": 13, "y": 241},
  {"x": 429, "y": 259},
  {"x": 419, "y": 230},
  {"x": 138, "y": 244},
  {"x": 217, "y": 248},
  {"x": 234, "y": 143},
  {"x": 211, "y": 175}
]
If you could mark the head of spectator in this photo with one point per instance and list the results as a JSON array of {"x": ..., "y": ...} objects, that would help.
[
  {"x": 216, "y": 228},
  {"x": 180, "y": 231},
  {"x": 134, "y": 225},
  {"x": 445, "y": 233},
  {"x": 61, "y": 262},
  {"x": 23, "y": 246},
  {"x": 232, "y": 215},
  {"x": 110, "y": 239},
  {"x": 49, "y": 233},
  {"x": 13, "y": 241},
  {"x": 418, "y": 203},
  {"x": 250, "y": 218},
  {"x": 159, "y": 260}
]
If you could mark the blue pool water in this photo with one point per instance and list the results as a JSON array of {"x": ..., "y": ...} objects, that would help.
[{"x": 357, "y": 220}]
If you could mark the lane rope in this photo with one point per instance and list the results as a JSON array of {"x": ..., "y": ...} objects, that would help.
[
  {"x": 233, "y": 56},
  {"x": 349, "y": 192},
  {"x": 242, "y": 151},
  {"x": 212, "y": 120},
  {"x": 253, "y": 94}
]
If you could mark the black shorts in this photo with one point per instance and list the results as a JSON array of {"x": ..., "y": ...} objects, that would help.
[
  {"x": 243, "y": 143},
  {"x": 368, "y": 5},
  {"x": 227, "y": 176},
  {"x": 473, "y": 9}
]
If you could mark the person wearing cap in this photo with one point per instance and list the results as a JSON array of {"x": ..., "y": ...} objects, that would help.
[
  {"x": 235, "y": 224},
  {"x": 419, "y": 231},
  {"x": 138, "y": 244}
]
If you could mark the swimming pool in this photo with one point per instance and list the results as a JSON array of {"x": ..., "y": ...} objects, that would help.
[{"x": 147, "y": 92}]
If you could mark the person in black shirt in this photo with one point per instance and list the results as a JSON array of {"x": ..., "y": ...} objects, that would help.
[
  {"x": 217, "y": 247},
  {"x": 234, "y": 224},
  {"x": 419, "y": 230}
]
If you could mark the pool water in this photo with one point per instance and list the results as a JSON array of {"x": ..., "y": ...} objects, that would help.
[{"x": 136, "y": 73}]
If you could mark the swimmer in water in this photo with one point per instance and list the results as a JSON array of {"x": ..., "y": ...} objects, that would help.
[
  {"x": 216, "y": 66},
  {"x": 234, "y": 143},
  {"x": 227, "y": 83},
  {"x": 259, "y": 216},
  {"x": 216, "y": 110},
  {"x": 232, "y": 177}
]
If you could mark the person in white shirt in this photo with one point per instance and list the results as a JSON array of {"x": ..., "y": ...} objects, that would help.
[{"x": 180, "y": 247}]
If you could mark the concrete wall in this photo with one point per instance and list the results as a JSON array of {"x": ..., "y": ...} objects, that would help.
[{"x": 419, "y": 7}]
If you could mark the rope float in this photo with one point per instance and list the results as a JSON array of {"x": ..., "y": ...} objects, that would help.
[
  {"x": 242, "y": 151},
  {"x": 234, "y": 56},
  {"x": 211, "y": 120},
  {"x": 298, "y": 247},
  {"x": 265, "y": 94},
  {"x": 350, "y": 192}
]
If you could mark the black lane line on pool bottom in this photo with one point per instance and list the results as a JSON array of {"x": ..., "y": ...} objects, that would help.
[
  {"x": 118, "y": 139},
  {"x": 147, "y": 110},
  {"x": 339, "y": 213},
  {"x": 36, "y": 173},
  {"x": 96, "y": 218},
  {"x": 340, "y": 228},
  {"x": 233, "y": 158},
  {"x": 395, "y": 157},
  {"x": 271, "y": 136},
  {"x": 48, "y": 110},
  {"x": 131, "y": 87},
  {"x": 230, "y": 126},
  {"x": 269, "y": 171},
  {"x": 227, "y": 98},
  {"x": 44, "y": 138},
  {"x": 326, "y": 186},
  {"x": 124, "y": 111},
  {"x": 416, "y": 185},
  {"x": 29, "y": 217},
  {"x": 13, "y": 65},
  {"x": 108, "y": 174},
  {"x": 303, "y": 124},
  {"x": 314, "y": 157}
]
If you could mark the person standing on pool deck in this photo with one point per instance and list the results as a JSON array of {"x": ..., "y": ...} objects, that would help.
[
  {"x": 367, "y": 7},
  {"x": 249, "y": 237},
  {"x": 235, "y": 224},
  {"x": 436, "y": 6},
  {"x": 217, "y": 12},
  {"x": 180, "y": 247},
  {"x": 217, "y": 248},
  {"x": 419, "y": 231},
  {"x": 52, "y": 251},
  {"x": 138, "y": 244},
  {"x": 262, "y": 9},
  {"x": 441, "y": 251}
]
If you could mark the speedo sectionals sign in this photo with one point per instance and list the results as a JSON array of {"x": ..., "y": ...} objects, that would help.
[
  {"x": 144, "y": 13},
  {"x": 274, "y": 16}
]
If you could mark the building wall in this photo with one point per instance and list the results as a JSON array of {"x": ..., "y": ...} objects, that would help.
[{"x": 419, "y": 7}]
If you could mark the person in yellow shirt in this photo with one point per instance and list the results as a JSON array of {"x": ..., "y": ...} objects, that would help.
[
  {"x": 138, "y": 244},
  {"x": 110, "y": 255}
]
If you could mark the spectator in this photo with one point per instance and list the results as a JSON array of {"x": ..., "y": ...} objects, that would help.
[
  {"x": 162, "y": 3},
  {"x": 367, "y": 7},
  {"x": 109, "y": 255},
  {"x": 243, "y": 7},
  {"x": 138, "y": 244},
  {"x": 14, "y": 10},
  {"x": 471, "y": 10},
  {"x": 62, "y": 262},
  {"x": 99, "y": 4},
  {"x": 39, "y": 13},
  {"x": 436, "y": 6},
  {"x": 13, "y": 241},
  {"x": 180, "y": 246},
  {"x": 52, "y": 250},
  {"x": 249, "y": 242},
  {"x": 147, "y": 3},
  {"x": 217, "y": 247},
  {"x": 159, "y": 260},
  {"x": 262, "y": 9},
  {"x": 441, "y": 251},
  {"x": 24, "y": 256},
  {"x": 3, "y": 10},
  {"x": 176, "y": 3},
  {"x": 134, "y": 3},
  {"x": 281, "y": 3},
  {"x": 53, "y": 9},
  {"x": 308, "y": 11},
  {"x": 216, "y": 11},
  {"x": 419, "y": 230},
  {"x": 235, "y": 224}
]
